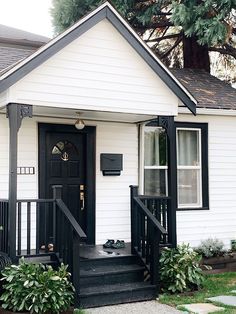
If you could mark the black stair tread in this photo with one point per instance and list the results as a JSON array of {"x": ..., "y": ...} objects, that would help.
[
  {"x": 165, "y": 245},
  {"x": 121, "y": 287},
  {"x": 109, "y": 269}
]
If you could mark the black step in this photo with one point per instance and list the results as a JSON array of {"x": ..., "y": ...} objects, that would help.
[
  {"x": 50, "y": 259},
  {"x": 114, "y": 260},
  {"x": 111, "y": 274},
  {"x": 115, "y": 294}
]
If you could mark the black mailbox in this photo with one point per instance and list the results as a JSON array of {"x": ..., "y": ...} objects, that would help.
[{"x": 111, "y": 164}]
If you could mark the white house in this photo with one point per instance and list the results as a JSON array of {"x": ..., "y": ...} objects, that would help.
[{"x": 171, "y": 133}]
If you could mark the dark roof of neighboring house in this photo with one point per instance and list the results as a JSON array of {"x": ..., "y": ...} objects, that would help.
[
  {"x": 209, "y": 91},
  {"x": 10, "y": 55},
  {"x": 14, "y": 36}
]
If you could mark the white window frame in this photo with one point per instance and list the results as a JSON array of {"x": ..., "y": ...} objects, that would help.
[
  {"x": 142, "y": 165},
  {"x": 199, "y": 167}
]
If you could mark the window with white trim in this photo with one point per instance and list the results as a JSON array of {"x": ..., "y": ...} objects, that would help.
[
  {"x": 155, "y": 161},
  {"x": 192, "y": 164},
  {"x": 189, "y": 167}
]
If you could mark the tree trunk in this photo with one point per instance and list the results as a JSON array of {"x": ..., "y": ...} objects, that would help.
[{"x": 195, "y": 56}]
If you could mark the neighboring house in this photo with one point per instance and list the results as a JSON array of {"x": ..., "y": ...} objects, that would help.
[
  {"x": 16, "y": 44},
  {"x": 172, "y": 133}
]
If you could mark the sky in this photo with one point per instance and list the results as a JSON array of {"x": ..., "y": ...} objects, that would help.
[{"x": 29, "y": 15}]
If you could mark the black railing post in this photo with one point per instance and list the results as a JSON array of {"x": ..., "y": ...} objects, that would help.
[
  {"x": 76, "y": 267},
  {"x": 57, "y": 194},
  {"x": 133, "y": 216},
  {"x": 168, "y": 124}
]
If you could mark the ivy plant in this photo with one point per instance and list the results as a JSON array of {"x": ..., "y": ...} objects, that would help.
[
  {"x": 36, "y": 288},
  {"x": 179, "y": 269}
]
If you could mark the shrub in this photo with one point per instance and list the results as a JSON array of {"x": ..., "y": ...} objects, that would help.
[
  {"x": 179, "y": 269},
  {"x": 233, "y": 245},
  {"x": 211, "y": 248},
  {"x": 36, "y": 288}
]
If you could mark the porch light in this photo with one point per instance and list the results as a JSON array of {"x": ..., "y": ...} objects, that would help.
[{"x": 79, "y": 124}]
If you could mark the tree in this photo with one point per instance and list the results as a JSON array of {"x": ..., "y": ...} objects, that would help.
[{"x": 180, "y": 32}]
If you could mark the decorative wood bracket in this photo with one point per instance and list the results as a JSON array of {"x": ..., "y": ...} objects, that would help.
[
  {"x": 166, "y": 123},
  {"x": 22, "y": 111}
]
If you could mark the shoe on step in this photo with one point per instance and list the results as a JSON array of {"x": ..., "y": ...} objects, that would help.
[
  {"x": 120, "y": 244},
  {"x": 108, "y": 244}
]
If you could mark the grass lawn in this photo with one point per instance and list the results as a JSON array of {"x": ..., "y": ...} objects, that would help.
[{"x": 214, "y": 285}]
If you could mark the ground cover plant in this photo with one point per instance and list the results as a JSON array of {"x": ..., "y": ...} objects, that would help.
[
  {"x": 36, "y": 288},
  {"x": 213, "y": 285},
  {"x": 211, "y": 248}
]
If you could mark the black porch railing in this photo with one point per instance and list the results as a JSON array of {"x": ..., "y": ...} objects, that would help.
[
  {"x": 4, "y": 226},
  {"x": 45, "y": 227},
  {"x": 150, "y": 218}
]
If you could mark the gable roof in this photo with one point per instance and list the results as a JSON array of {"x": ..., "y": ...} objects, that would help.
[
  {"x": 107, "y": 11},
  {"x": 210, "y": 92}
]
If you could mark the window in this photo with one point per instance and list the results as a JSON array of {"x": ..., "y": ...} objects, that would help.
[
  {"x": 155, "y": 161},
  {"x": 192, "y": 164},
  {"x": 65, "y": 150},
  {"x": 189, "y": 167}
]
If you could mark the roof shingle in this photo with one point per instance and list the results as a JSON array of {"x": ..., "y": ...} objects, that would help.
[
  {"x": 9, "y": 56},
  {"x": 209, "y": 91}
]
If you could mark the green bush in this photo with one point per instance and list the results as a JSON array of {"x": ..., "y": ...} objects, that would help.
[
  {"x": 36, "y": 288},
  {"x": 211, "y": 248},
  {"x": 179, "y": 269}
]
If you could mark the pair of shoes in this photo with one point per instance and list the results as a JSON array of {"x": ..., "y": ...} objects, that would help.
[
  {"x": 110, "y": 244},
  {"x": 50, "y": 247}
]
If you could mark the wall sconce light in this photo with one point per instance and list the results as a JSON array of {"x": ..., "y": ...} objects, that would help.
[{"x": 79, "y": 124}]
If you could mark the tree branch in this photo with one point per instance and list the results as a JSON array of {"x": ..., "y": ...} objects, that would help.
[
  {"x": 163, "y": 38},
  {"x": 141, "y": 28},
  {"x": 177, "y": 42},
  {"x": 226, "y": 50}
]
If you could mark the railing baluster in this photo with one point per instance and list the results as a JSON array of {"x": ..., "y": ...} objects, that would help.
[
  {"x": 19, "y": 229},
  {"x": 143, "y": 238},
  {"x": 46, "y": 222},
  {"x": 37, "y": 226},
  {"x": 139, "y": 231},
  {"x": 164, "y": 219},
  {"x": 148, "y": 243},
  {"x": 28, "y": 227},
  {"x": 4, "y": 226}
]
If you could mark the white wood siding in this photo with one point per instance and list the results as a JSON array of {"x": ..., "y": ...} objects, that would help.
[
  {"x": 112, "y": 193},
  {"x": 3, "y": 99},
  {"x": 220, "y": 220},
  {"x": 98, "y": 71}
]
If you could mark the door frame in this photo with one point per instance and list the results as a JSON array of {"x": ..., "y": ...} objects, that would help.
[{"x": 90, "y": 172}]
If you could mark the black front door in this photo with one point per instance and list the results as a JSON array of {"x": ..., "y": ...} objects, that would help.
[
  {"x": 65, "y": 166},
  {"x": 67, "y": 159}
]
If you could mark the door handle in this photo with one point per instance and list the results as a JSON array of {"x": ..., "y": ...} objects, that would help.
[
  {"x": 81, "y": 200},
  {"x": 82, "y": 197}
]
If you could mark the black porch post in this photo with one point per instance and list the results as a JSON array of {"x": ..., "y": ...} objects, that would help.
[
  {"x": 169, "y": 125},
  {"x": 15, "y": 113}
]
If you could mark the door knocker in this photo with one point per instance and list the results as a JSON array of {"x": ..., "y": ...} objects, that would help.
[{"x": 65, "y": 157}]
